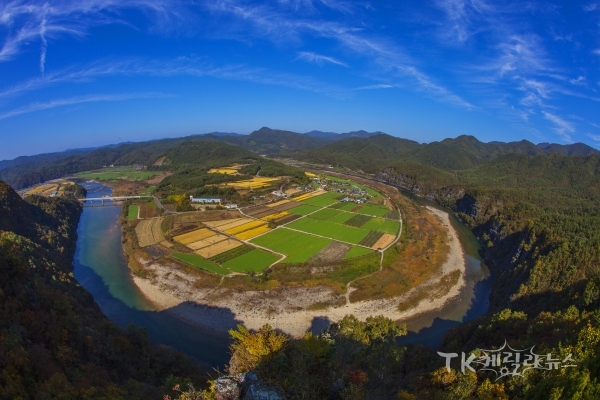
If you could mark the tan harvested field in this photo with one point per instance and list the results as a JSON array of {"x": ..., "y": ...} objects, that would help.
[
  {"x": 218, "y": 248},
  {"x": 241, "y": 228},
  {"x": 194, "y": 236},
  {"x": 157, "y": 232},
  {"x": 278, "y": 203},
  {"x": 218, "y": 224},
  {"x": 166, "y": 244},
  {"x": 249, "y": 234},
  {"x": 148, "y": 232},
  {"x": 207, "y": 242},
  {"x": 233, "y": 224},
  {"x": 384, "y": 241}
]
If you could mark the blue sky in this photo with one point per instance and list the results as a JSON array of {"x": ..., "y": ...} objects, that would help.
[{"x": 82, "y": 73}]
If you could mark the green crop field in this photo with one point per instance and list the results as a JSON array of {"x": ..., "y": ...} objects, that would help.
[
  {"x": 254, "y": 261},
  {"x": 303, "y": 209},
  {"x": 373, "y": 209},
  {"x": 325, "y": 213},
  {"x": 297, "y": 246},
  {"x": 356, "y": 251},
  {"x": 323, "y": 200},
  {"x": 341, "y": 217},
  {"x": 132, "y": 212},
  {"x": 200, "y": 262},
  {"x": 382, "y": 225},
  {"x": 347, "y": 206},
  {"x": 328, "y": 229},
  {"x": 148, "y": 190},
  {"x": 113, "y": 174}
]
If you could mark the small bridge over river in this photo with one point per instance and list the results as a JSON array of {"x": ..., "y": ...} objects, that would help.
[{"x": 111, "y": 200}]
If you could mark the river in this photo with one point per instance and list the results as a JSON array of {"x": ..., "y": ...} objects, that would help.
[{"x": 101, "y": 268}]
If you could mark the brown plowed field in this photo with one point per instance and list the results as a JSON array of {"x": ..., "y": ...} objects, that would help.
[
  {"x": 148, "y": 232},
  {"x": 256, "y": 210}
]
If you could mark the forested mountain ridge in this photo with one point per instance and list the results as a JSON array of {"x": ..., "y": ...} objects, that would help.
[
  {"x": 54, "y": 340},
  {"x": 374, "y": 153},
  {"x": 359, "y": 150}
]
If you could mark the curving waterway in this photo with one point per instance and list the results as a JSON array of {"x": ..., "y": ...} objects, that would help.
[{"x": 101, "y": 268}]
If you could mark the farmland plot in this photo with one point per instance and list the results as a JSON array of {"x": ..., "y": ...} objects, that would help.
[
  {"x": 297, "y": 246},
  {"x": 207, "y": 241},
  {"x": 218, "y": 248},
  {"x": 254, "y": 261},
  {"x": 194, "y": 236},
  {"x": 148, "y": 232},
  {"x": 331, "y": 230}
]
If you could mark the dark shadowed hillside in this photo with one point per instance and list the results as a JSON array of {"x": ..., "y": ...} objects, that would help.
[{"x": 54, "y": 340}]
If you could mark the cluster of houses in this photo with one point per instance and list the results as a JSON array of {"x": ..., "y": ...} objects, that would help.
[{"x": 353, "y": 193}]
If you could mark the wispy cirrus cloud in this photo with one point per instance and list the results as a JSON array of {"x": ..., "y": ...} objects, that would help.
[
  {"x": 271, "y": 24},
  {"x": 319, "y": 59},
  {"x": 92, "y": 98},
  {"x": 48, "y": 19},
  {"x": 376, "y": 86},
  {"x": 562, "y": 127},
  {"x": 182, "y": 66}
]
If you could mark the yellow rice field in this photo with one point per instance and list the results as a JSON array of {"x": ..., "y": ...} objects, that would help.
[
  {"x": 254, "y": 183},
  {"x": 310, "y": 174},
  {"x": 228, "y": 171},
  {"x": 275, "y": 216},
  {"x": 218, "y": 248},
  {"x": 249, "y": 234},
  {"x": 245, "y": 227},
  {"x": 278, "y": 203},
  {"x": 207, "y": 242},
  {"x": 309, "y": 195},
  {"x": 41, "y": 188},
  {"x": 194, "y": 236}
]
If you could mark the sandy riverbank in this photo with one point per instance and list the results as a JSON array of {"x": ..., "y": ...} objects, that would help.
[{"x": 222, "y": 309}]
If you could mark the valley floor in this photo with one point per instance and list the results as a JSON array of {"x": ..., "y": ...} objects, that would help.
[{"x": 289, "y": 309}]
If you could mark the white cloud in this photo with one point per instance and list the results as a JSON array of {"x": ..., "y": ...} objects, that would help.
[
  {"x": 49, "y": 18},
  {"x": 562, "y": 127},
  {"x": 79, "y": 100},
  {"x": 579, "y": 81},
  {"x": 319, "y": 59},
  {"x": 376, "y": 86}
]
